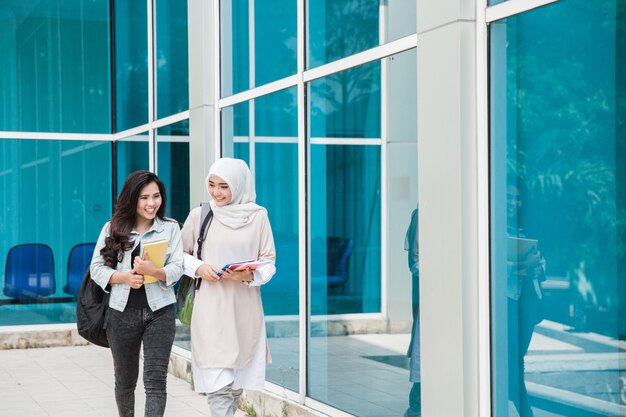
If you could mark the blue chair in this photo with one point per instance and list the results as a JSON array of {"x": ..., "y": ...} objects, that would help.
[
  {"x": 334, "y": 272},
  {"x": 339, "y": 251},
  {"x": 77, "y": 264},
  {"x": 29, "y": 272}
]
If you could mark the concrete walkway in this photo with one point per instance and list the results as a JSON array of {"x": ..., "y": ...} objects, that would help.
[{"x": 77, "y": 382}]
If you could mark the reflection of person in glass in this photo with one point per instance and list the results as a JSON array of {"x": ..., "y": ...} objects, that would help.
[
  {"x": 411, "y": 245},
  {"x": 525, "y": 272}
]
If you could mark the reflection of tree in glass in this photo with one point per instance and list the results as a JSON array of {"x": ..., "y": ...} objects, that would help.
[
  {"x": 565, "y": 148},
  {"x": 350, "y": 100},
  {"x": 350, "y": 103},
  {"x": 344, "y": 27}
]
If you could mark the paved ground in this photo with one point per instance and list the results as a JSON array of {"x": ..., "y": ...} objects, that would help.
[
  {"x": 568, "y": 374},
  {"x": 77, "y": 382}
]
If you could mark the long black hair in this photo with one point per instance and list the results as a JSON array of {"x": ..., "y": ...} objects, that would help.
[{"x": 124, "y": 216}]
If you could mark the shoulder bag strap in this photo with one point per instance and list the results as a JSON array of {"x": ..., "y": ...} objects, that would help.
[{"x": 207, "y": 218}]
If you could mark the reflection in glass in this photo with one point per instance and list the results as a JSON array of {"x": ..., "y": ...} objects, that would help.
[
  {"x": 242, "y": 151},
  {"x": 347, "y": 104},
  {"x": 55, "y": 62},
  {"x": 276, "y": 172},
  {"x": 131, "y": 64},
  {"x": 345, "y": 229},
  {"x": 171, "y": 61},
  {"x": 411, "y": 245},
  {"x": 354, "y": 363},
  {"x": 276, "y": 115},
  {"x": 525, "y": 274},
  {"x": 235, "y": 131},
  {"x": 345, "y": 193},
  {"x": 234, "y": 47},
  {"x": 557, "y": 210},
  {"x": 340, "y": 28},
  {"x": 54, "y": 195},
  {"x": 173, "y": 167},
  {"x": 131, "y": 155},
  {"x": 241, "y": 122},
  {"x": 277, "y": 164},
  {"x": 270, "y": 51}
]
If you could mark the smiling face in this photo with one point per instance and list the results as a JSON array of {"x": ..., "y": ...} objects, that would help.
[
  {"x": 513, "y": 201},
  {"x": 220, "y": 191},
  {"x": 148, "y": 202}
]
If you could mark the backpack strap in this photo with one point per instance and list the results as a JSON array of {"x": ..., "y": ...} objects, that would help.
[{"x": 206, "y": 217}]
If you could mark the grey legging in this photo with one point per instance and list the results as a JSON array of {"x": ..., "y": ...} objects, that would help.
[{"x": 224, "y": 402}]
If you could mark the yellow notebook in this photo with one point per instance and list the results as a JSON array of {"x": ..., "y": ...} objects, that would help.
[{"x": 157, "y": 250}]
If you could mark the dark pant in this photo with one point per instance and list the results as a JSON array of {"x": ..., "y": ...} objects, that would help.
[
  {"x": 524, "y": 314},
  {"x": 415, "y": 401},
  {"x": 126, "y": 331}
]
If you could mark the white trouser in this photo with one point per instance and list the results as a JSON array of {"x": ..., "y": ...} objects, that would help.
[{"x": 224, "y": 402}]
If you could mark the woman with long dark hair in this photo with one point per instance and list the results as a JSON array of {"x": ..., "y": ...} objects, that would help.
[{"x": 139, "y": 313}]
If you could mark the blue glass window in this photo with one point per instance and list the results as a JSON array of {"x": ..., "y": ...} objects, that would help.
[
  {"x": 275, "y": 45},
  {"x": 242, "y": 151},
  {"x": 236, "y": 131},
  {"x": 345, "y": 229},
  {"x": 347, "y": 104},
  {"x": 54, "y": 195},
  {"x": 131, "y": 64},
  {"x": 340, "y": 28},
  {"x": 173, "y": 167},
  {"x": 276, "y": 115},
  {"x": 340, "y": 177},
  {"x": 171, "y": 60},
  {"x": 366, "y": 375},
  {"x": 55, "y": 64},
  {"x": 277, "y": 165},
  {"x": 557, "y": 209},
  {"x": 241, "y": 124},
  {"x": 270, "y": 51},
  {"x": 131, "y": 154},
  {"x": 235, "y": 41}
]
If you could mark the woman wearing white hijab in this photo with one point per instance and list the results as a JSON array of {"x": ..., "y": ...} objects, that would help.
[{"x": 228, "y": 340}]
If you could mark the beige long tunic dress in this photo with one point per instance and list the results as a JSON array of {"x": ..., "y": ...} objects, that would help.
[{"x": 228, "y": 339}]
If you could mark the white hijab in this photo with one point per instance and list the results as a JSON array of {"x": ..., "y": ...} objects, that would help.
[{"x": 241, "y": 210}]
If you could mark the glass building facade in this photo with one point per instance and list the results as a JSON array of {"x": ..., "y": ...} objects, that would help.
[
  {"x": 76, "y": 120},
  {"x": 503, "y": 125},
  {"x": 556, "y": 140}
]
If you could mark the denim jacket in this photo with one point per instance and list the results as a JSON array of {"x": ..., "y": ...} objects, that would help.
[{"x": 159, "y": 294}]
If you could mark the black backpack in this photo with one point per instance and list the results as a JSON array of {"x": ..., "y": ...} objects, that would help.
[{"x": 91, "y": 307}]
